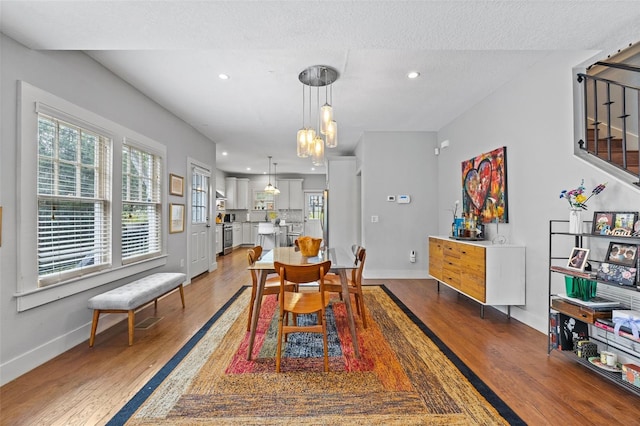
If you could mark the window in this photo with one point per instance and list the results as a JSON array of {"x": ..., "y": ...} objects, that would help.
[
  {"x": 74, "y": 176},
  {"x": 141, "y": 203},
  {"x": 83, "y": 221},
  {"x": 199, "y": 196}
]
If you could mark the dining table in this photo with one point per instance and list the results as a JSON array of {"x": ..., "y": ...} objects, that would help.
[{"x": 342, "y": 260}]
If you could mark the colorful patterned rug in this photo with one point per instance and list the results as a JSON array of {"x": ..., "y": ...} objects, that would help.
[{"x": 405, "y": 375}]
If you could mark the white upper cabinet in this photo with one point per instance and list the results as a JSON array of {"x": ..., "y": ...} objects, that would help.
[
  {"x": 230, "y": 193},
  {"x": 242, "y": 194},
  {"x": 291, "y": 196}
]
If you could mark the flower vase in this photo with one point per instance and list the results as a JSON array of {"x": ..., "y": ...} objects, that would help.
[{"x": 575, "y": 221}]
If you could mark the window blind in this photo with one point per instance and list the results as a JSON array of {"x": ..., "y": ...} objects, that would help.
[
  {"x": 141, "y": 203},
  {"x": 74, "y": 175}
]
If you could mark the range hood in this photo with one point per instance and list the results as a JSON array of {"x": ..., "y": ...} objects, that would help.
[{"x": 220, "y": 196}]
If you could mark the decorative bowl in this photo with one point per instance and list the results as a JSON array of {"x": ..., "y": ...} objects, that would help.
[{"x": 309, "y": 246}]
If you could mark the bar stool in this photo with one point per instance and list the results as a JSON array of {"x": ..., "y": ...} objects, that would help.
[
  {"x": 294, "y": 233},
  {"x": 266, "y": 228}
]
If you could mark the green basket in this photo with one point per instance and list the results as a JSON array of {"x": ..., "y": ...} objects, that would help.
[{"x": 580, "y": 288}]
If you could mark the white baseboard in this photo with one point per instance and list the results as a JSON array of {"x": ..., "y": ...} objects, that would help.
[
  {"x": 27, "y": 361},
  {"x": 394, "y": 274}
]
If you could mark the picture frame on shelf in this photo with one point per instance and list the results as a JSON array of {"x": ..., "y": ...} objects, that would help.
[
  {"x": 176, "y": 218},
  {"x": 614, "y": 223},
  {"x": 619, "y": 274},
  {"x": 601, "y": 222},
  {"x": 578, "y": 259},
  {"x": 622, "y": 254},
  {"x": 176, "y": 185}
]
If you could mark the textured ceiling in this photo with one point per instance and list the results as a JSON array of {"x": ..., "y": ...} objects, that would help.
[{"x": 173, "y": 50}]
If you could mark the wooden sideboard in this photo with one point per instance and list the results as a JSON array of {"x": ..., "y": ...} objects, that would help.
[{"x": 491, "y": 274}]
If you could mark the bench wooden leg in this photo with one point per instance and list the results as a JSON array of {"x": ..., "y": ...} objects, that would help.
[
  {"x": 131, "y": 327},
  {"x": 182, "y": 295},
  {"x": 94, "y": 326}
]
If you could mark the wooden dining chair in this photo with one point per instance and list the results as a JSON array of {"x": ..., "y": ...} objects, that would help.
[
  {"x": 302, "y": 303},
  {"x": 333, "y": 284},
  {"x": 271, "y": 286}
]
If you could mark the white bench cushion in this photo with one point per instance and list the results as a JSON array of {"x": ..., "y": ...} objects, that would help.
[{"x": 137, "y": 293}]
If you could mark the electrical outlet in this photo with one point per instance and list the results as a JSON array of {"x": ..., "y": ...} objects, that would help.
[{"x": 374, "y": 219}]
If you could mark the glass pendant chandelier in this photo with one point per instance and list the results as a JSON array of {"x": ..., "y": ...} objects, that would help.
[
  {"x": 309, "y": 140},
  {"x": 326, "y": 112},
  {"x": 269, "y": 188},
  {"x": 332, "y": 134},
  {"x": 302, "y": 142},
  {"x": 317, "y": 152}
]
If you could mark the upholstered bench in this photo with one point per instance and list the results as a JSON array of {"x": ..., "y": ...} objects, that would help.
[{"x": 129, "y": 297}]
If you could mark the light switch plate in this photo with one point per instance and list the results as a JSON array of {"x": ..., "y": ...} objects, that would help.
[{"x": 391, "y": 197}]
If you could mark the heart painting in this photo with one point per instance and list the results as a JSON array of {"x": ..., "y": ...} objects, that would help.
[
  {"x": 484, "y": 186},
  {"x": 477, "y": 183}
]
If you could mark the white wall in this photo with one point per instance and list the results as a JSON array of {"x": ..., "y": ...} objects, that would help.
[
  {"x": 343, "y": 202},
  {"x": 395, "y": 163},
  {"x": 32, "y": 337},
  {"x": 533, "y": 117}
]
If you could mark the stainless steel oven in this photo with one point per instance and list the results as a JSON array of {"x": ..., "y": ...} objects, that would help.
[{"x": 227, "y": 238}]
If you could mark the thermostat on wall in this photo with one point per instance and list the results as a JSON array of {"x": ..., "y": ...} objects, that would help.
[{"x": 404, "y": 199}]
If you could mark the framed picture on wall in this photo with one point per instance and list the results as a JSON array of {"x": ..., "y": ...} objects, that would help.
[
  {"x": 176, "y": 185},
  {"x": 484, "y": 187},
  {"x": 176, "y": 218}
]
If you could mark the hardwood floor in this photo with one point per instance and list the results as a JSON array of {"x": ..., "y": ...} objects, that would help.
[{"x": 87, "y": 386}]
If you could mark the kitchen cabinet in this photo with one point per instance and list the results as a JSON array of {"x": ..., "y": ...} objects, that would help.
[
  {"x": 242, "y": 194},
  {"x": 489, "y": 274},
  {"x": 237, "y": 234},
  {"x": 291, "y": 196},
  {"x": 230, "y": 192},
  {"x": 218, "y": 238},
  {"x": 246, "y": 234}
]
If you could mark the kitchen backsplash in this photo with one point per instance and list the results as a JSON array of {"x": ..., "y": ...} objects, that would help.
[{"x": 259, "y": 216}]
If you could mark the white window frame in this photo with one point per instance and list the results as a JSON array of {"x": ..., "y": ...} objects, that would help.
[
  {"x": 52, "y": 197},
  {"x": 31, "y": 101},
  {"x": 155, "y": 203}
]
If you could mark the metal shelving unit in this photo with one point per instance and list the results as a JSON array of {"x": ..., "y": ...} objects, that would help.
[{"x": 627, "y": 296}]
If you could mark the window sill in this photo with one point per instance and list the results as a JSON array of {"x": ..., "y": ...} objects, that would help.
[{"x": 42, "y": 296}]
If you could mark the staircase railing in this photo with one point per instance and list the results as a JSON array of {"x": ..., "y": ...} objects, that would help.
[{"x": 619, "y": 146}]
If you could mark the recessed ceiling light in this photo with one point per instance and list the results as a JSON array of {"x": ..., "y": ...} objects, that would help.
[
  {"x": 223, "y": 76},
  {"x": 248, "y": 168},
  {"x": 313, "y": 169},
  {"x": 413, "y": 74},
  {"x": 224, "y": 153}
]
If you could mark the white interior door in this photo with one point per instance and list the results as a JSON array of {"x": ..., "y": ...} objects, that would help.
[
  {"x": 313, "y": 205},
  {"x": 199, "y": 241}
]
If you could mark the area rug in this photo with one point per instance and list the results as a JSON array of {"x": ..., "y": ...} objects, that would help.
[{"x": 405, "y": 375}]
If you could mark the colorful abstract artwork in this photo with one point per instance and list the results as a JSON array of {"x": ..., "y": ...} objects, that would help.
[{"x": 484, "y": 187}]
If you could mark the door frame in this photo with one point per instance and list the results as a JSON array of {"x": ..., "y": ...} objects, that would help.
[{"x": 210, "y": 250}]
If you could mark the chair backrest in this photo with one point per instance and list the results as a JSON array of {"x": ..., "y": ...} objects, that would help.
[
  {"x": 252, "y": 256},
  {"x": 362, "y": 255},
  {"x": 303, "y": 273}
]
